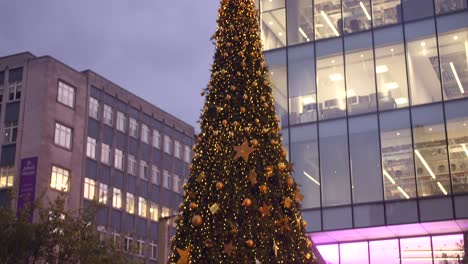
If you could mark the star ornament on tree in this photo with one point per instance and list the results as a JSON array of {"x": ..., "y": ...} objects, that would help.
[
  {"x": 265, "y": 210},
  {"x": 243, "y": 151},
  {"x": 184, "y": 255}
]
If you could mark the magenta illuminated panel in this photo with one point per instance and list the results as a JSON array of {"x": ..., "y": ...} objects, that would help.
[
  {"x": 354, "y": 253},
  {"x": 448, "y": 248},
  {"x": 416, "y": 250},
  {"x": 329, "y": 253},
  {"x": 384, "y": 251}
]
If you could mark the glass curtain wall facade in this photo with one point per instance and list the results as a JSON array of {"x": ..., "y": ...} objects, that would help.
[{"x": 373, "y": 98}]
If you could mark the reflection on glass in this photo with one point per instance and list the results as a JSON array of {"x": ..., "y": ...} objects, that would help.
[
  {"x": 386, "y": 12},
  {"x": 356, "y": 15},
  {"x": 302, "y": 92},
  {"x": 334, "y": 166},
  {"x": 354, "y": 253},
  {"x": 277, "y": 65},
  {"x": 457, "y": 131},
  {"x": 329, "y": 253},
  {"x": 397, "y": 155},
  {"x": 330, "y": 80},
  {"x": 430, "y": 151},
  {"x": 285, "y": 140},
  {"x": 300, "y": 21},
  {"x": 384, "y": 252},
  {"x": 417, "y": 9},
  {"x": 366, "y": 174},
  {"x": 360, "y": 76},
  {"x": 304, "y": 154},
  {"x": 268, "y": 5},
  {"x": 453, "y": 50},
  {"x": 446, "y": 6},
  {"x": 416, "y": 250},
  {"x": 328, "y": 22},
  {"x": 273, "y": 29},
  {"x": 390, "y": 69},
  {"x": 423, "y": 63},
  {"x": 448, "y": 249}
]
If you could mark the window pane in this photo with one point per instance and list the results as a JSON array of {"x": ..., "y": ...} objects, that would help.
[
  {"x": 356, "y": 15},
  {"x": 329, "y": 253},
  {"x": 272, "y": 4},
  {"x": 360, "y": 76},
  {"x": 417, "y": 9},
  {"x": 365, "y": 159},
  {"x": 430, "y": 151},
  {"x": 277, "y": 64},
  {"x": 397, "y": 155},
  {"x": 392, "y": 84},
  {"x": 354, "y": 253},
  {"x": 300, "y": 21},
  {"x": 273, "y": 28},
  {"x": 386, "y": 12},
  {"x": 457, "y": 132},
  {"x": 448, "y": 249},
  {"x": 328, "y": 22},
  {"x": 302, "y": 92},
  {"x": 334, "y": 163},
  {"x": 330, "y": 79},
  {"x": 416, "y": 248},
  {"x": 304, "y": 154},
  {"x": 384, "y": 252},
  {"x": 423, "y": 62},
  {"x": 446, "y": 6}
]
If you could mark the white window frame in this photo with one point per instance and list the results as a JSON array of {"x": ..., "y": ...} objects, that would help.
[
  {"x": 154, "y": 212},
  {"x": 91, "y": 148},
  {"x": 187, "y": 151},
  {"x": 177, "y": 148},
  {"x": 93, "y": 108},
  {"x": 154, "y": 251},
  {"x": 167, "y": 144},
  {"x": 60, "y": 179},
  {"x": 118, "y": 159},
  {"x": 155, "y": 175},
  {"x": 145, "y": 133},
  {"x": 63, "y": 135},
  {"x": 128, "y": 241},
  {"x": 176, "y": 183},
  {"x": 141, "y": 247},
  {"x": 121, "y": 119},
  {"x": 11, "y": 132},
  {"x": 133, "y": 127},
  {"x": 7, "y": 176},
  {"x": 130, "y": 203},
  {"x": 165, "y": 212},
  {"x": 142, "y": 207},
  {"x": 103, "y": 193},
  {"x": 166, "y": 179},
  {"x": 66, "y": 94},
  {"x": 105, "y": 154},
  {"x": 144, "y": 170},
  {"x": 89, "y": 190},
  {"x": 132, "y": 164},
  {"x": 156, "y": 139},
  {"x": 107, "y": 115},
  {"x": 117, "y": 198},
  {"x": 15, "y": 90}
]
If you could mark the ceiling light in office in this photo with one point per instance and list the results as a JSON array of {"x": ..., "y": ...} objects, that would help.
[
  {"x": 335, "y": 77},
  {"x": 403, "y": 192},
  {"x": 401, "y": 101},
  {"x": 381, "y": 69},
  {"x": 423, "y": 161},
  {"x": 308, "y": 100},
  {"x": 350, "y": 93},
  {"x": 442, "y": 188},
  {"x": 455, "y": 37},
  {"x": 330, "y": 24},
  {"x": 280, "y": 34},
  {"x": 365, "y": 10},
  {"x": 311, "y": 178},
  {"x": 270, "y": 23},
  {"x": 423, "y": 44},
  {"x": 391, "y": 49},
  {"x": 391, "y": 86},
  {"x": 398, "y": 133},
  {"x": 303, "y": 34},
  {"x": 424, "y": 52},
  {"x": 454, "y": 71},
  {"x": 385, "y": 173},
  {"x": 465, "y": 149}
]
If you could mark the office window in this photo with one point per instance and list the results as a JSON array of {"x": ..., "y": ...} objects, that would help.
[
  {"x": 133, "y": 128},
  {"x": 145, "y": 133},
  {"x": 118, "y": 159},
  {"x": 334, "y": 163},
  {"x": 91, "y": 148},
  {"x": 155, "y": 175},
  {"x": 328, "y": 22},
  {"x": 423, "y": 62},
  {"x": 177, "y": 149},
  {"x": 276, "y": 61},
  {"x": 304, "y": 154},
  {"x": 103, "y": 193},
  {"x": 415, "y": 9},
  {"x": 386, "y": 12},
  {"x": 11, "y": 132},
  {"x": 121, "y": 121},
  {"x": 6, "y": 176},
  {"x": 59, "y": 179},
  {"x": 366, "y": 173},
  {"x": 456, "y": 114},
  {"x": 107, "y": 115},
  {"x": 154, "y": 251},
  {"x": 142, "y": 204},
  {"x": 302, "y": 91},
  {"x": 66, "y": 94},
  {"x": 384, "y": 251},
  {"x": 273, "y": 24},
  {"x": 105, "y": 153},
  {"x": 397, "y": 155},
  {"x": 130, "y": 203},
  {"x": 447, "y": 6},
  {"x": 449, "y": 246},
  {"x": 132, "y": 164},
  {"x": 358, "y": 250},
  {"x": 415, "y": 248},
  {"x": 356, "y": 16},
  {"x": 453, "y": 53},
  {"x": 176, "y": 183},
  {"x": 390, "y": 68},
  {"x": 15, "y": 90},
  {"x": 128, "y": 243},
  {"x": 430, "y": 150},
  {"x": 63, "y": 136},
  {"x": 89, "y": 189},
  {"x": 187, "y": 154},
  {"x": 300, "y": 21},
  {"x": 166, "y": 179},
  {"x": 154, "y": 211},
  {"x": 330, "y": 252},
  {"x": 144, "y": 170},
  {"x": 360, "y": 76},
  {"x": 117, "y": 198},
  {"x": 93, "y": 108},
  {"x": 156, "y": 139},
  {"x": 167, "y": 144},
  {"x": 165, "y": 212},
  {"x": 330, "y": 79}
]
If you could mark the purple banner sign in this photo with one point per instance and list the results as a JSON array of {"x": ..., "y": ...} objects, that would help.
[{"x": 27, "y": 184}]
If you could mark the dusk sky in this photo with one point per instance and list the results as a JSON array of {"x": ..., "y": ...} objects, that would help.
[{"x": 159, "y": 50}]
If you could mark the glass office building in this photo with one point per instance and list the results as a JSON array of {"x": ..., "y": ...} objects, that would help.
[{"x": 373, "y": 100}]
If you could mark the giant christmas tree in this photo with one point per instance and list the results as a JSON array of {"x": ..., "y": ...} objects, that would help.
[{"x": 241, "y": 203}]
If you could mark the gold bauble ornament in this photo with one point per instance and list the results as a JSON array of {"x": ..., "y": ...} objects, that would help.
[
  {"x": 290, "y": 181},
  {"x": 254, "y": 84},
  {"x": 219, "y": 109},
  {"x": 243, "y": 64},
  {"x": 254, "y": 142},
  {"x": 304, "y": 223},
  {"x": 231, "y": 27},
  {"x": 242, "y": 109},
  {"x": 236, "y": 123},
  {"x": 231, "y": 134},
  {"x": 245, "y": 97},
  {"x": 263, "y": 188},
  {"x": 236, "y": 38},
  {"x": 226, "y": 54},
  {"x": 283, "y": 152},
  {"x": 308, "y": 256},
  {"x": 246, "y": 43},
  {"x": 273, "y": 142},
  {"x": 265, "y": 82},
  {"x": 239, "y": 73},
  {"x": 281, "y": 166},
  {"x": 219, "y": 186},
  {"x": 233, "y": 88},
  {"x": 265, "y": 105},
  {"x": 247, "y": 129},
  {"x": 228, "y": 97},
  {"x": 262, "y": 98},
  {"x": 225, "y": 122},
  {"x": 249, "y": 243},
  {"x": 242, "y": 5},
  {"x": 247, "y": 202},
  {"x": 241, "y": 53},
  {"x": 257, "y": 120},
  {"x": 197, "y": 220},
  {"x": 252, "y": 54},
  {"x": 193, "y": 205}
]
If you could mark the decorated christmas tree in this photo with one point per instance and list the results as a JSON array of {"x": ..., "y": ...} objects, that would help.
[{"x": 241, "y": 204}]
